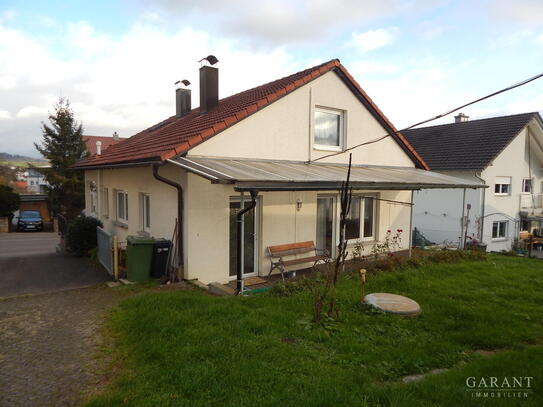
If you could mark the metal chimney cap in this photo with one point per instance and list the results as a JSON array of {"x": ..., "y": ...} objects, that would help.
[{"x": 211, "y": 59}]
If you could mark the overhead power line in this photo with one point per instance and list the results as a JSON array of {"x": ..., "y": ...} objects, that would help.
[{"x": 516, "y": 85}]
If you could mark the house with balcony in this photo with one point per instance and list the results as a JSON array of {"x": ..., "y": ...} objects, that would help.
[
  {"x": 504, "y": 153},
  {"x": 263, "y": 167}
]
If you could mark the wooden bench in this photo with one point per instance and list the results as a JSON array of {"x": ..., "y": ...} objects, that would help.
[{"x": 278, "y": 253}]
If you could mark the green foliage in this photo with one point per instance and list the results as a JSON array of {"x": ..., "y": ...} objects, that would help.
[
  {"x": 81, "y": 237},
  {"x": 187, "y": 348},
  {"x": 9, "y": 200},
  {"x": 62, "y": 145}
]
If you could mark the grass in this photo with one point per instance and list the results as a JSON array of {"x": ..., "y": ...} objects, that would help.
[
  {"x": 191, "y": 349},
  {"x": 22, "y": 164}
]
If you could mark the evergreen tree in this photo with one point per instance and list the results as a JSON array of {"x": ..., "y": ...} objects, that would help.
[
  {"x": 62, "y": 145},
  {"x": 9, "y": 201}
]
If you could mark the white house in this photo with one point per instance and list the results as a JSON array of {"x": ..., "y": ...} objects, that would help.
[
  {"x": 505, "y": 153},
  {"x": 201, "y": 166}
]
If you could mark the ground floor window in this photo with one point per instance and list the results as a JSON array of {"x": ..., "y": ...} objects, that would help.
[
  {"x": 93, "y": 202},
  {"x": 145, "y": 212},
  {"x": 499, "y": 229},
  {"x": 121, "y": 206},
  {"x": 360, "y": 222},
  {"x": 105, "y": 202}
]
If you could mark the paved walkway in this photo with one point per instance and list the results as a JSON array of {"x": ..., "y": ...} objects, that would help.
[
  {"x": 48, "y": 346},
  {"x": 29, "y": 265}
]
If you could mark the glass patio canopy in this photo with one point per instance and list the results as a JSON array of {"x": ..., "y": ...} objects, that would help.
[{"x": 277, "y": 175}]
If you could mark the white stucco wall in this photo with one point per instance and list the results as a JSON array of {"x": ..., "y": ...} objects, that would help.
[
  {"x": 208, "y": 224},
  {"x": 284, "y": 129},
  {"x": 513, "y": 162},
  {"x": 135, "y": 181}
]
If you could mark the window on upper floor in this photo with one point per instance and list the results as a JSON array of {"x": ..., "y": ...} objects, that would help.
[
  {"x": 527, "y": 185},
  {"x": 502, "y": 186},
  {"x": 328, "y": 129}
]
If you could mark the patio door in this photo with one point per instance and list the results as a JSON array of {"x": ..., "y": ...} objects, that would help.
[
  {"x": 326, "y": 223},
  {"x": 250, "y": 232}
]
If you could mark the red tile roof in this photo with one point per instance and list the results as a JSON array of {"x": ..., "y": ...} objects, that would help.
[
  {"x": 175, "y": 136},
  {"x": 90, "y": 142}
]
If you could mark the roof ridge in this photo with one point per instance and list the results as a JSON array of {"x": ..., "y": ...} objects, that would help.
[{"x": 470, "y": 121}]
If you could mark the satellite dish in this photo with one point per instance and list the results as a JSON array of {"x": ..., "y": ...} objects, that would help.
[{"x": 212, "y": 59}]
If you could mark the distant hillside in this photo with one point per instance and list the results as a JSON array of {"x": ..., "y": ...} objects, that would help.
[{"x": 19, "y": 158}]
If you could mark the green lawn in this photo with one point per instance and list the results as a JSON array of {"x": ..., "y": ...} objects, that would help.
[{"x": 191, "y": 349}]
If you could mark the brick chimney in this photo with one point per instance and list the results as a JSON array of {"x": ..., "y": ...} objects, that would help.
[
  {"x": 209, "y": 88},
  {"x": 182, "y": 101},
  {"x": 461, "y": 117}
]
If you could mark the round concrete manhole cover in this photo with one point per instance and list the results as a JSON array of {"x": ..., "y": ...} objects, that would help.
[{"x": 393, "y": 303}]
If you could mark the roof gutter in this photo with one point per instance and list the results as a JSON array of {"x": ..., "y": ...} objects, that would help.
[
  {"x": 122, "y": 165},
  {"x": 179, "y": 188}
]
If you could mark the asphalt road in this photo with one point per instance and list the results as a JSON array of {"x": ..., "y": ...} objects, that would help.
[{"x": 30, "y": 265}]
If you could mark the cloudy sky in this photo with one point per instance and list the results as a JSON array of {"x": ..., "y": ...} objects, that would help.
[{"x": 117, "y": 61}]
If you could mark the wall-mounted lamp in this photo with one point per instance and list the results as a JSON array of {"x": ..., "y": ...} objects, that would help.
[{"x": 298, "y": 204}]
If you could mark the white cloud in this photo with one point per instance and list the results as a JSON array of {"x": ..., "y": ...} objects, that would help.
[
  {"x": 32, "y": 111},
  {"x": 360, "y": 68},
  {"x": 8, "y": 15},
  {"x": 4, "y": 114},
  {"x": 523, "y": 11},
  {"x": 273, "y": 22},
  {"x": 373, "y": 39},
  {"x": 123, "y": 84},
  {"x": 7, "y": 82}
]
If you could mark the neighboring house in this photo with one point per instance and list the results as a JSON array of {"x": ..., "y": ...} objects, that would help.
[
  {"x": 97, "y": 144},
  {"x": 505, "y": 153},
  {"x": 35, "y": 181},
  {"x": 203, "y": 165}
]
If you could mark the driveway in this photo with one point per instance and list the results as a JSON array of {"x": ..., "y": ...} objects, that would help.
[
  {"x": 30, "y": 265},
  {"x": 49, "y": 346}
]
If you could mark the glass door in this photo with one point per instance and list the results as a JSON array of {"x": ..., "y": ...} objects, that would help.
[
  {"x": 250, "y": 235},
  {"x": 326, "y": 225}
]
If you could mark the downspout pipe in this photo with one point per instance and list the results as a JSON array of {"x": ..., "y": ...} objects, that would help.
[
  {"x": 180, "y": 204},
  {"x": 240, "y": 240}
]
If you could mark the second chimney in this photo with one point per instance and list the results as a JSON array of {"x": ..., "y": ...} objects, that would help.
[
  {"x": 182, "y": 102},
  {"x": 209, "y": 88},
  {"x": 461, "y": 117}
]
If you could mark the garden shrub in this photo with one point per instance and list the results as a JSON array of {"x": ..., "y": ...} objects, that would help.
[{"x": 81, "y": 237}]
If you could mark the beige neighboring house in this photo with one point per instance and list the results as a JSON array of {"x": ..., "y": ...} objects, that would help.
[{"x": 202, "y": 165}]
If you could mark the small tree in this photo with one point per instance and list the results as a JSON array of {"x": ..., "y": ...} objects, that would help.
[
  {"x": 62, "y": 145},
  {"x": 9, "y": 201},
  {"x": 324, "y": 293}
]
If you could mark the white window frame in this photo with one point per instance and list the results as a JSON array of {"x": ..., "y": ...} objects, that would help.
[
  {"x": 499, "y": 181},
  {"x": 105, "y": 203},
  {"x": 361, "y": 236},
  {"x": 342, "y": 116},
  {"x": 118, "y": 218},
  {"x": 145, "y": 215},
  {"x": 524, "y": 184},
  {"x": 503, "y": 228}
]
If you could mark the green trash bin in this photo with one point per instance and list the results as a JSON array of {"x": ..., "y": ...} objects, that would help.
[{"x": 139, "y": 252}]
